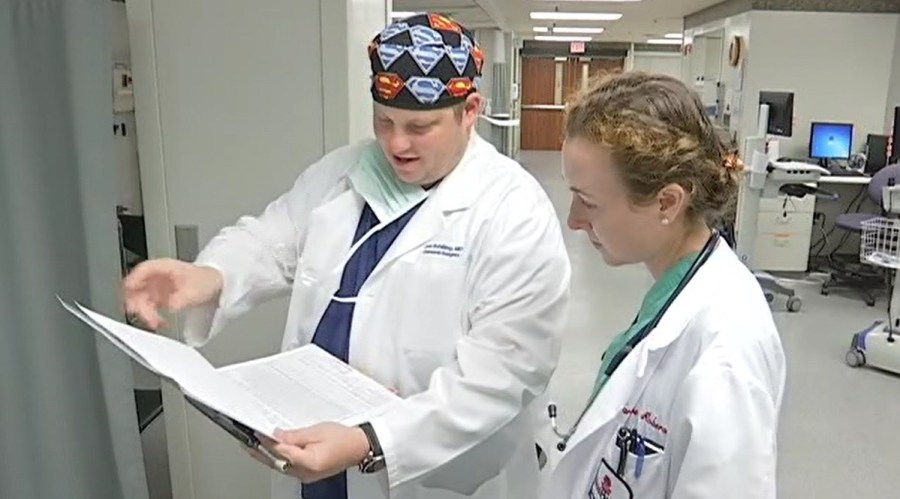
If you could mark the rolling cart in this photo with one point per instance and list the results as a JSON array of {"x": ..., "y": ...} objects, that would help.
[{"x": 879, "y": 345}]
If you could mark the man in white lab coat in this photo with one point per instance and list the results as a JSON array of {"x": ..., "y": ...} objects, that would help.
[{"x": 427, "y": 260}]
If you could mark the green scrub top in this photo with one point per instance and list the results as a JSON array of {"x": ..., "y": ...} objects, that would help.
[{"x": 653, "y": 302}]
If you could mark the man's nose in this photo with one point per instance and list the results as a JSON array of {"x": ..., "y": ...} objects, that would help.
[{"x": 399, "y": 142}]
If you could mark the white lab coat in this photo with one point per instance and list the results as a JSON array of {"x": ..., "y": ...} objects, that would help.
[
  {"x": 463, "y": 316},
  {"x": 706, "y": 385}
]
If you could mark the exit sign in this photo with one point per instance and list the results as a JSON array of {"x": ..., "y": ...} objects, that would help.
[{"x": 576, "y": 47}]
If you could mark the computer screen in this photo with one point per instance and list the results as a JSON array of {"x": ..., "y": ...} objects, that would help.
[
  {"x": 830, "y": 140},
  {"x": 781, "y": 112}
]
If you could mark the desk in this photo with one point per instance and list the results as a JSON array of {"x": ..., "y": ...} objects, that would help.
[
  {"x": 785, "y": 228},
  {"x": 845, "y": 179}
]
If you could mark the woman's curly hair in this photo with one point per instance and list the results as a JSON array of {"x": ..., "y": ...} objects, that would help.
[{"x": 659, "y": 134}]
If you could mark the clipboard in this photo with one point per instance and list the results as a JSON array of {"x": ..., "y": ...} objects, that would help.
[
  {"x": 243, "y": 433},
  {"x": 236, "y": 429}
]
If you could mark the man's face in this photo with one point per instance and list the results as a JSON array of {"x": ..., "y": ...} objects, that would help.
[{"x": 424, "y": 146}]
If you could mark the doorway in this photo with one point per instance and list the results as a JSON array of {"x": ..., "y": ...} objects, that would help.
[{"x": 547, "y": 84}]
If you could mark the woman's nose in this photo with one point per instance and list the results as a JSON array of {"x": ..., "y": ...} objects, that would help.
[{"x": 576, "y": 220}]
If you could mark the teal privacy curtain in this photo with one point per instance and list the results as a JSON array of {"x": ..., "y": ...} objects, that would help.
[{"x": 67, "y": 418}]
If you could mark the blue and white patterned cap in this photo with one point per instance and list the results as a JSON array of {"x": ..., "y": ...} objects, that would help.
[{"x": 427, "y": 61}]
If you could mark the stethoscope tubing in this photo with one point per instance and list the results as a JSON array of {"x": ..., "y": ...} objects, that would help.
[{"x": 705, "y": 253}]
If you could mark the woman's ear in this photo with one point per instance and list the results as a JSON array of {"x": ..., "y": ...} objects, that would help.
[{"x": 672, "y": 200}]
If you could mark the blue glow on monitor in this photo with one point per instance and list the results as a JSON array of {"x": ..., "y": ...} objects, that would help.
[{"x": 830, "y": 140}]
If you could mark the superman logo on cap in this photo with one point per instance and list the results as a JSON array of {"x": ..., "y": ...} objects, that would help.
[
  {"x": 460, "y": 87},
  {"x": 388, "y": 85},
  {"x": 438, "y": 21}
]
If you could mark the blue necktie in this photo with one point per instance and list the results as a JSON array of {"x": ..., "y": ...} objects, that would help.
[{"x": 333, "y": 331}]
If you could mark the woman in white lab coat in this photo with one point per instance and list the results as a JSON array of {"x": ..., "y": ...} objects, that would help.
[{"x": 686, "y": 400}]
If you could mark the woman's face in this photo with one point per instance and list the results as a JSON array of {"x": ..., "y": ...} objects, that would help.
[{"x": 624, "y": 232}]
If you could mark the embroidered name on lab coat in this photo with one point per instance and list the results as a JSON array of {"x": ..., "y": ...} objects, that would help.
[
  {"x": 647, "y": 417},
  {"x": 445, "y": 250}
]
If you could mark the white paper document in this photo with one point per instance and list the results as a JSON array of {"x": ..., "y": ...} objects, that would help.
[{"x": 294, "y": 389}]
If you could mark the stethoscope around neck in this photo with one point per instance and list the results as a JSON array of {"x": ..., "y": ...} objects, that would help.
[{"x": 705, "y": 253}]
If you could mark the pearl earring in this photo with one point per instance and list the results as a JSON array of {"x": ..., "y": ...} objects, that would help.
[{"x": 665, "y": 221}]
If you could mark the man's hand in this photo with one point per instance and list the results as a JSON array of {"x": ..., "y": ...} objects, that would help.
[
  {"x": 168, "y": 284},
  {"x": 320, "y": 451}
]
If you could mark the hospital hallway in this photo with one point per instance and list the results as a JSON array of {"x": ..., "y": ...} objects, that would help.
[{"x": 838, "y": 435}]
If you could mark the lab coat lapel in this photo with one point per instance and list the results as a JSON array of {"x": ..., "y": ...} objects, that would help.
[
  {"x": 626, "y": 384},
  {"x": 454, "y": 193},
  {"x": 331, "y": 233},
  {"x": 689, "y": 301}
]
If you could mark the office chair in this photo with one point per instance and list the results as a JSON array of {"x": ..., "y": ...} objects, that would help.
[{"x": 865, "y": 278}]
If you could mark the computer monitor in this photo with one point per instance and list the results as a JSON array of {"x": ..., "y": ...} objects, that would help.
[
  {"x": 781, "y": 112},
  {"x": 830, "y": 141}
]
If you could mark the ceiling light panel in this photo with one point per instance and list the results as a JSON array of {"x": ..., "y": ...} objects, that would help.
[
  {"x": 575, "y": 16},
  {"x": 553, "y": 38},
  {"x": 663, "y": 41}
]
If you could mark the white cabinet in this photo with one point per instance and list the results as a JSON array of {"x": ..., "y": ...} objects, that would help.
[{"x": 783, "y": 233}]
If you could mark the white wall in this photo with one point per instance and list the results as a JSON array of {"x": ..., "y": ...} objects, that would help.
[
  {"x": 667, "y": 63},
  {"x": 893, "y": 98},
  {"x": 346, "y": 68},
  {"x": 837, "y": 65},
  {"x": 490, "y": 44},
  {"x": 732, "y": 78}
]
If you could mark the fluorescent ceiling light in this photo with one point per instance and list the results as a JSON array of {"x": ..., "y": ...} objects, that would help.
[
  {"x": 575, "y": 16},
  {"x": 568, "y": 30},
  {"x": 400, "y": 14},
  {"x": 551, "y": 38},
  {"x": 674, "y": 35},
  {"x": 664, "y": 41}
]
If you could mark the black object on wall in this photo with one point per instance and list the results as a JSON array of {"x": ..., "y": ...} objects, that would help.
[
  {"x": 876, "y": 152},
  {"x": 781, "y": 112}
]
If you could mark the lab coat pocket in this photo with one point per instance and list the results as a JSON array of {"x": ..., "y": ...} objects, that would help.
[
  {"x": 647, "y": 475},
  {"x": 644, "y": 466},
  {"x": 607, "y": 484},
  {"x": 434, "y": 291}
]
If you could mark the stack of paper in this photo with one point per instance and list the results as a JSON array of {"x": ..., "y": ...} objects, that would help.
[{"x": 294, "y": 389}]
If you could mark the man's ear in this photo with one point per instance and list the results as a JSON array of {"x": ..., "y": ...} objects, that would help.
[{"x": 472, "y": 108}]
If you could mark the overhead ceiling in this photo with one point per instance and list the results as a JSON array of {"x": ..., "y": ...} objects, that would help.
[
  {"x": 468, "y": 12},
  {"x": 641, "y": 20}
]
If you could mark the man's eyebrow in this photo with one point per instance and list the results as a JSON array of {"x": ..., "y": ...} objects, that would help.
[{"x": 423, "y": 123}]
